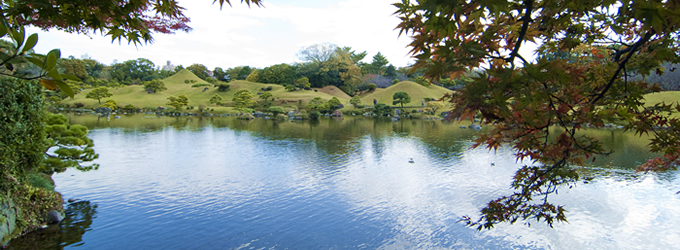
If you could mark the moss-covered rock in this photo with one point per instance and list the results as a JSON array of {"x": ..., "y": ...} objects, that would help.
[{"x": 8, "y": 220}]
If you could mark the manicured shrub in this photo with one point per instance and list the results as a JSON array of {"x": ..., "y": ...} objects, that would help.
[
  {"x": 314, "y": 115},
  {"x": 371, "y": 86},
  {"x": 200, "y": 85},
  {"x": 223, "y": 87}
]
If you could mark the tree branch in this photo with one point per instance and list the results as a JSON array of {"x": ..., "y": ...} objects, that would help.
[
  {"x": 525, "y": 26},
  {"x": 622, "y": 64}
]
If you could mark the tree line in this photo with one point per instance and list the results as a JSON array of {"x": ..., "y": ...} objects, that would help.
[{"x": 321, "y": 65}]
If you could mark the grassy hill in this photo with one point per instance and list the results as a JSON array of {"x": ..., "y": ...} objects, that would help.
[
  {"x": 666, "y": 96},
  {"x": 415, "y": 90},
  {"x": 137, "y": 95},
  {"x": 334, "y": 91}
]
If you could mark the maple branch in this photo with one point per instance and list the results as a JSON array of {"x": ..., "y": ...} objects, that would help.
[
  {"x": 22, "y": 78},
  {"x": 622, "y": 64},
  {"x": 525, "y": 26}
]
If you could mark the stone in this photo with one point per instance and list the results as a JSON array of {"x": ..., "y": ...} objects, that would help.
[
  {"x": 475, "y": 126},
  {"x": 8, "y": 217},
  {"x": 54, "y": 217},
  {"x": 72, "y": 200}
]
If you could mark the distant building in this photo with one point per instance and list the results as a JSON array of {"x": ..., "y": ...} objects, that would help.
[{"x": 169, "y": 66}]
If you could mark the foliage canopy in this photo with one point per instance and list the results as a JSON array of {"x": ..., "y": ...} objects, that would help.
[
  {"x": 178, "y": 102},
  {"x": 99, "y": 93},
  {"x": 608, "y": 40},
  {"x": 401, "y": 98},
  {"x": 242, "y": 99},
  {"x": 155, "y": 85}
]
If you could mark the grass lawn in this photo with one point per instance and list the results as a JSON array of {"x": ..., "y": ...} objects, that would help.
[
  {"x": 137, "y": 95},
  {"x": 666, "y": 96}
]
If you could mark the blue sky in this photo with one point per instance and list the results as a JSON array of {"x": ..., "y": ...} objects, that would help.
[{"x": 257, "y": 37}]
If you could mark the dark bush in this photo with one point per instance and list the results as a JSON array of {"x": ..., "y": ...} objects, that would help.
[
  {"x": 371, "y": 86},
  {"x": 199, "y": 85},
  {"x": 382, "y": 109},
  {"x": 223, "y": 87},
  {"x": 22, "y": 144},
  {"x": 314, "y": 115},
  {"x": 80, "y": 105}
]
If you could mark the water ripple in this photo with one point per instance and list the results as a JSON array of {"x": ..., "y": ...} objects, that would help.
[{"x": 221, "y": 188}]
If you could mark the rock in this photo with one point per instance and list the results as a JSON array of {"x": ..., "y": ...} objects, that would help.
[
  {"x": 72, "y": 200},
  {"x": 8, "y": 216},
  {"x": 54, "y": 217}
]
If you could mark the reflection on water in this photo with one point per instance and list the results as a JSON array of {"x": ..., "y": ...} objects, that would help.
[
  {"x": 222, "y": 183},
  {"x": 78, "y": 217}
]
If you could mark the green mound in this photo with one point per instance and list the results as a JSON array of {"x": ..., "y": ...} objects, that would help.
[
  {"x": 182, "y": 76},
  {"x": 416, "y": 91}
]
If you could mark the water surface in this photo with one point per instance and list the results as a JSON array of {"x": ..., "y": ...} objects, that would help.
[{"x": 223, "y": 183}]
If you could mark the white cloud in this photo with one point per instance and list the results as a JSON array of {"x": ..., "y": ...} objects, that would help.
[{"x": 253, "y": 36}]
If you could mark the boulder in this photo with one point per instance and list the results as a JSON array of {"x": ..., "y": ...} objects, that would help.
[
  {"x": 8, "y": 215},
  {"x": 54, "y": 217}
]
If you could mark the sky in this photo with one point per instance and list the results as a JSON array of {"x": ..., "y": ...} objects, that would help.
[{"x": 257, "y": 37}]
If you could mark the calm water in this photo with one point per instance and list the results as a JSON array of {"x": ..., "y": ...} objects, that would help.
[{"x": 222, "y": 183}]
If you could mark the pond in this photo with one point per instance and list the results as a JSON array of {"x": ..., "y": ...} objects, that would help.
[{"x": 223, "y": 183}]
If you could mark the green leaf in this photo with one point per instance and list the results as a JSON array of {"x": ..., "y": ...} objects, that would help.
[
  {"x": 3, "y": 29},
  {"x": 70, "y": 77},
  {"x": 56, "y": 52},
  {"x": 64, "y": 87},
  {"x": 19, "y": 36},
  {"x": 4, "y": 56},
  {"x": 34, "y": 60},
  {"x": 30, "y": 42},
  {"x": 51, "y": 61},
  {"x": 54, "y": 74}
]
